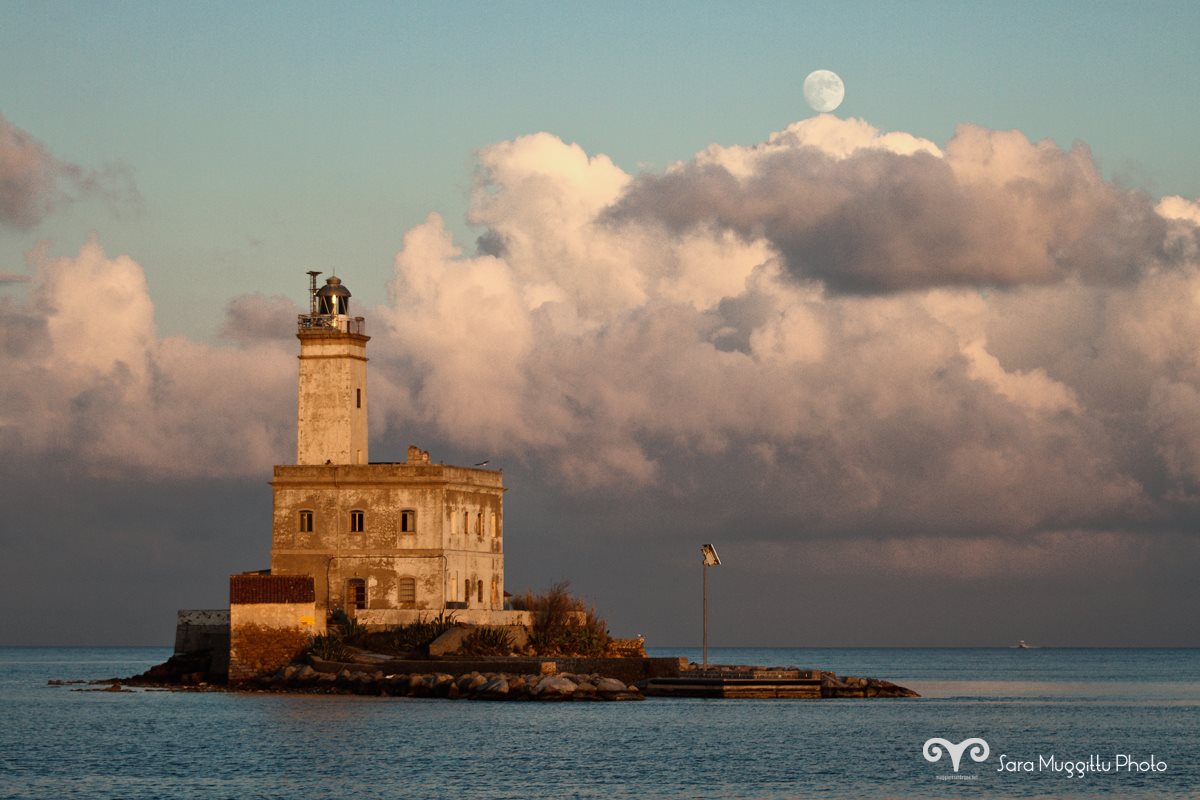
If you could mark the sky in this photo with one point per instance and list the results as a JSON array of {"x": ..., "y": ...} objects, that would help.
[{"x": 923, "y": 369}]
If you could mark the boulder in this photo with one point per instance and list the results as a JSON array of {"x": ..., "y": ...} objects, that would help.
[
  {"x": 464, "y": 681},
  {"x": 450, "y": 641},
  {"x": 554, "y": 687},
  {"x": 610, "y": 686},
  {"x": 495, "y": 689},
  {"x": 422, "y": 685}
]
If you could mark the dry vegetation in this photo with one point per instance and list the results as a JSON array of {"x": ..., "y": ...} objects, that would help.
[{"x": 563, "y": 625}]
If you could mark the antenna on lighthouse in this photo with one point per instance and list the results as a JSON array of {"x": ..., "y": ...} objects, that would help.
[{"x": 312, "y": 291}]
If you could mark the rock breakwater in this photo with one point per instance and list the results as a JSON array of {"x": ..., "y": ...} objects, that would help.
[{"x": 470, "y": 685}]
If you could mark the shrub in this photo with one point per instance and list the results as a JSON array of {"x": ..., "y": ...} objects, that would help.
[
  {"x": 345, "y": 634},
  {"x": 330, "y": 646},
  {"x": 488, "y": 641},
  {"x": 563, "y": 624},
  {"x": 403, "y": 639}
]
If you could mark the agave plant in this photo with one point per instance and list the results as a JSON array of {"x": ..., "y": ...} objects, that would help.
[{"x": 488, "y": 641}]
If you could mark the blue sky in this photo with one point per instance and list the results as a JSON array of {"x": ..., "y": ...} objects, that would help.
[{"x": 268, "y": 139}]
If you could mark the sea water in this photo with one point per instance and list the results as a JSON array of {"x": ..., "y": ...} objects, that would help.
[{"x": 1039, "y": 711}]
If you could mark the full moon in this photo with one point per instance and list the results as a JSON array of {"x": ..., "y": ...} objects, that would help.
[{"x": 824, "y": 90}]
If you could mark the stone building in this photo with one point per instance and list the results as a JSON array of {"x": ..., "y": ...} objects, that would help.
[{"x": 384, "y": 542}]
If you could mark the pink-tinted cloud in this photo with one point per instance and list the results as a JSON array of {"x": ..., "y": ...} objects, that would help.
[
  {"x": 654, "y": 333},
  {"x": 619, "y": 357},
  {"x": 88, "y": 381},
  {"x": 33, "y": 181}
]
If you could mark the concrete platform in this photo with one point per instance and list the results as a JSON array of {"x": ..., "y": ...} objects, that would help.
[{"x": 748, "y": 687}]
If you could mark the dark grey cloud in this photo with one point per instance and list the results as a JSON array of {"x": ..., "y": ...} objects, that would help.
[{"x": 994, "y": 211}]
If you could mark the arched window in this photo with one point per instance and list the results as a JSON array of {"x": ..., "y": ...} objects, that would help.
[
  {"x": 406, "y": 590},
  {"x": 356, "y": 593}
]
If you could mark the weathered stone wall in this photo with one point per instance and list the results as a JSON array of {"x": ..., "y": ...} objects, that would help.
[
  {"x": 256, "y": 650},
  {"x": 197, "y": 630},
  {"x": 629, "y": 670},
  {"x": 626, "y": 648},
  {"x": 388, "y": 618},
  {"x": 272, "y": 619},
  {"x": 458, "y": 534},
  {"x": 203, "y": 634},
  {"x": 332, "y": 407}
]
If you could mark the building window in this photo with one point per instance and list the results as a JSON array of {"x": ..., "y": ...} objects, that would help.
[
  {"x": 306, "y": 521},
  {"x": 466, "y": 527},
  {"x": 467, "y": 584},
  {"x": 492, "y": 523},
  {"x": 356, "y": 593},
  {"x": 358, "y": 398},
  {"x": 406, "y": 590},
  {"x": 480, "y": 591},
  {"x": 356, "y": 521},
  {"x": 479, "y": 525},
  {"x": 408, "y": 521}
]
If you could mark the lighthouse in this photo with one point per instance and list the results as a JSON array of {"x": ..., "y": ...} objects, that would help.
[
  {"x": 332, "y": 407},
  {"x": 384, "y": 542}
]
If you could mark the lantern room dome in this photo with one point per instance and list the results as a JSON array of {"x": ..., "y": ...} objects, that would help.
[{"x": 333, "y": 297}]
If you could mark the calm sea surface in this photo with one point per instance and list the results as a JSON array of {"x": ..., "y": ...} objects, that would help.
[{"x": 1030, "y": 706}]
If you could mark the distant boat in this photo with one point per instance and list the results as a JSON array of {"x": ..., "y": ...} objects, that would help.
[{"x": 1021, "y": 645}]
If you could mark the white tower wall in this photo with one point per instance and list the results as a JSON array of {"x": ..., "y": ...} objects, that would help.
[{"x": 332, "y": 409}]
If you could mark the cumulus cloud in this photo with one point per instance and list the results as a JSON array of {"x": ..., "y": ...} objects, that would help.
[
  {"x": 1014, "y": 360},
  {"x": 33, "y": 181},
  {"x": 864, "y": 212},
  {"x": 258, "y": 317},
  {"x": 838, "y": 332},
  {"x": 89, "y": 382}
]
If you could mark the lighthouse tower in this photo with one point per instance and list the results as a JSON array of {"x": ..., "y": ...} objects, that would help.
[
  {"x": 332, "y": 415},
  {"x": 383, "y": 542}
]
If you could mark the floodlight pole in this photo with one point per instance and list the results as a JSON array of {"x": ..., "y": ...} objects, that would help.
[
  {"x": 710, "y": 559},
  {"x": 704, "y": 565}
]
